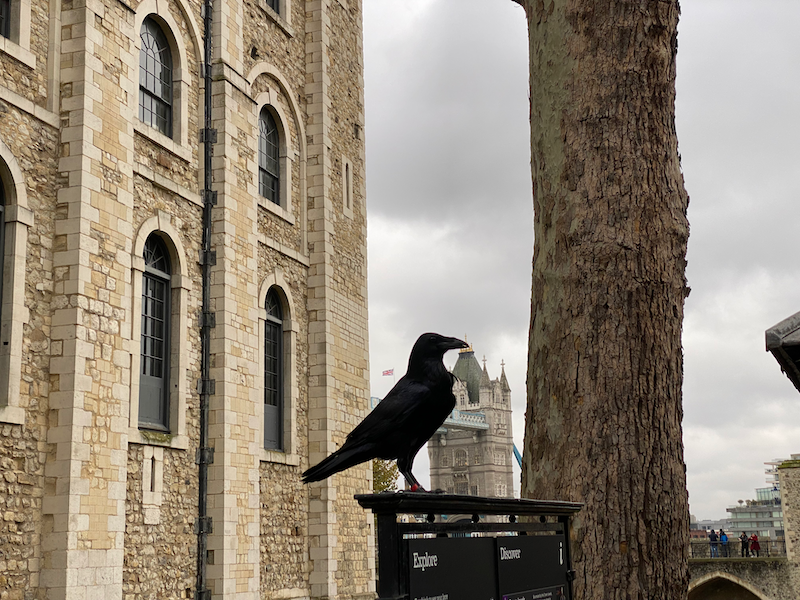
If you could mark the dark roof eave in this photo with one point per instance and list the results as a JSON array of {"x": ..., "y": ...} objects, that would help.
[{"x": 783, "y": 341}]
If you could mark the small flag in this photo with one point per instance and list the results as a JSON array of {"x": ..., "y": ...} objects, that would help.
[{"x": 388, "y": 373}]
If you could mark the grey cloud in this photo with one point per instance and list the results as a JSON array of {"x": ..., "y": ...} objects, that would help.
[{"x": 448, "y": 161}]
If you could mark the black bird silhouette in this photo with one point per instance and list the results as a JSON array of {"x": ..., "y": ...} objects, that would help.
[{"x": 405, "y": 419}]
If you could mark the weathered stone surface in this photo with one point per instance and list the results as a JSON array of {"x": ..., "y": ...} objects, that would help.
[
  {"x": 160, "y": 559},
  {"x": 89, "y": 505},
  {"x": 769, "y": 577}
]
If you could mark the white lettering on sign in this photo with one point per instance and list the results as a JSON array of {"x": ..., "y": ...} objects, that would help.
[
  {"x": 425, "y": 561},
  {"x": 513, "y": 554}
]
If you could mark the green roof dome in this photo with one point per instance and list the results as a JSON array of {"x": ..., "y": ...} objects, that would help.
[{"x": 469, "y": 371}]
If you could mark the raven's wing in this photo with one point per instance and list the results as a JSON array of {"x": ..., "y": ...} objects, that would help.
[
  {"x": 384, "y": 432},
  {"x": 399, "y": 417}
]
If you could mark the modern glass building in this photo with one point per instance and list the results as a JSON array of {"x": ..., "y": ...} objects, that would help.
[{"x": 764, "y": 514}]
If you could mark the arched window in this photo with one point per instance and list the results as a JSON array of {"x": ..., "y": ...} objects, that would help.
[
  {"x": 154, "y": 379},
  {"x": 269, "y": 171},
  {"x": 445, "y": 462},
  {"x": 273, "y": 373},
  {"x": 2, "y": 239},
  {"x": 155, "y": 78},
  {"x": 15, "y": 220},
  {"x": 461, "y": 458}
]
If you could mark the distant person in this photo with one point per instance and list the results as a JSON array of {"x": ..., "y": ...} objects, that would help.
[
  {"x": 754, "y": 545},
  {"x": 745, "y": 549},
  {"x": 723, "y": 538},
  {"x": 712, "y": 537}
]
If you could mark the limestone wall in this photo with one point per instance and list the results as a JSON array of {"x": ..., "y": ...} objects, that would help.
[
  {"x": 160, "y": 545},
  {"x": 91, "y": 506},
  {"x": 28, "y": 158},
  {"x": 789, "y": 474}
]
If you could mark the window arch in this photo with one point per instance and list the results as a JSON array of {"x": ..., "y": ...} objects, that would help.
[
  {"x": 274, "y": 364},
  {"x": 272, "y": 92},
  {"x": 159, "y": 255},
  {"x": 155, "y": 336},
  {"x": 269, "y": 168},
  {"x": 277, "y": 367},
  {"x": 16, "y": 219},
  {"x": 155, "y": 78},
  {"x": 460, "y": 458}
]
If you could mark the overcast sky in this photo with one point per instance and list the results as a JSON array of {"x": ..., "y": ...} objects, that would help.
[{"x": 450, "y": 211}]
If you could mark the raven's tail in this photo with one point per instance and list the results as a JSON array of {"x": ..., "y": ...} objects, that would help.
[{"x": 342, "y": 459}]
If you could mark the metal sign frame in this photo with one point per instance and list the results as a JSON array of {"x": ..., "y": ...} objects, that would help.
[{"x": 519, "y": 517}]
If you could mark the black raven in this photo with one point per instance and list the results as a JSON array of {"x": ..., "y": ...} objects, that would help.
[{"x": 405, "y": 419}]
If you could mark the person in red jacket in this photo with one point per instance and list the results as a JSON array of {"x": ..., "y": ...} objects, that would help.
[{"x": 754, "y": 545}]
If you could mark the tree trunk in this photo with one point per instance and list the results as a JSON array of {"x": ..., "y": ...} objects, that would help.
[{"x": 603, "y": 424}]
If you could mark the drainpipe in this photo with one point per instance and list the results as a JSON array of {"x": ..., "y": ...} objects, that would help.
[{"x": 205, "y": 454}]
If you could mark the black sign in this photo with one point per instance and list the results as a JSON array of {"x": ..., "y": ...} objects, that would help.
[
  {"x": 532, "y": 567},
  {"x": 452, "y": 569},
  {"x": 503, "y": 568}
]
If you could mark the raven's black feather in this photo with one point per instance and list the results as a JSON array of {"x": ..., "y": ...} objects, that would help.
[{"x": 405, "y": 419}]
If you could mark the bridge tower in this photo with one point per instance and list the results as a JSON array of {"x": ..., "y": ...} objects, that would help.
[{"x": 472, "y": 452}]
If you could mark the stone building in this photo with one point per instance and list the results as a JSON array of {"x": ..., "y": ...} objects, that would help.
[
  {"x": 473, "y": 452},
  {"x": 101, "y": 188}
]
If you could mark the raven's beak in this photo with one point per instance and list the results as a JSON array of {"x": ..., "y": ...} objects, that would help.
[{"x": 452, "y": 344}]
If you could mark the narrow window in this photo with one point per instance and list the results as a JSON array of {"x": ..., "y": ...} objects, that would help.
[
  {"x": 154, "y": 381},
  {"x": 2, "y": 240},
  {"x": 152, "y": 474},
  {"x": 275, "y": 5},
  {"x": 155, "y": 78},
  {"x": 5, "y": 18},
  {"x": 269, "y": 173},
  {"x": 273, "y": 370},
  {"x": 348, "y": 186}
]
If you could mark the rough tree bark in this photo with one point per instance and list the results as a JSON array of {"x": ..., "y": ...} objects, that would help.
[{"x": 603, "y": 424}]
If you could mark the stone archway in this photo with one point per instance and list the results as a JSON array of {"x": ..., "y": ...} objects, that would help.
[{"x": 723, "y": 586}]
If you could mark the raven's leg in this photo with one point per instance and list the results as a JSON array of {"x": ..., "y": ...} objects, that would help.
[{"x": 404, "y": 466}]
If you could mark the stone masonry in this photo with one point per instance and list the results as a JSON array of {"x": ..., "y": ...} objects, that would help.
[
  {"x": 93, "y": 505},
  {"x": 789, "y": 474}
]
